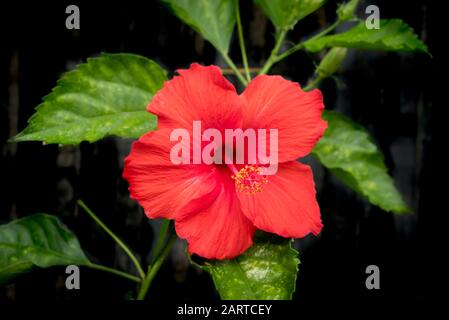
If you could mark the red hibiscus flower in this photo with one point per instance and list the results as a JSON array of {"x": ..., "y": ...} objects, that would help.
[{"x": 218, "y": 207}]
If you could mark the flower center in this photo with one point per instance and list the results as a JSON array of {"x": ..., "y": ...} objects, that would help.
[{"x": 249, "y": 179}]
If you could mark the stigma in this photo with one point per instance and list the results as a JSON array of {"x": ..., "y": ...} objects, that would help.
[{"x": 249, "y": 179}]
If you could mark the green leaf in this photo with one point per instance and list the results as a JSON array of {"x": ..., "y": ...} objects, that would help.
[
  {"x": 284, "y": 14},
  {"x": 393, "y": 35},
  {"x": 39, "y": 240},
  {"x": 107, "y": 95},
  {"x": 347, "y": 150},
  {"x": 213, "y": 19},
  {"x": 266, "y": 271}
]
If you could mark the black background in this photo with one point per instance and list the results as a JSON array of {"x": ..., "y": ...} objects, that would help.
[{"x": 390, "y": 94}]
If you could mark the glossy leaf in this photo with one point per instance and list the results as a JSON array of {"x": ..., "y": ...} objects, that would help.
[
  {"x": 107, "y": 95},
  {"x": 266, "y": 271},
  {"x": 39, "y": 240},
  {"x": 284, "y": 14},
  {"x": 393, "y": 35},
  {"x": 213, "y": 19},
  {"x": 347, "y": 150}
]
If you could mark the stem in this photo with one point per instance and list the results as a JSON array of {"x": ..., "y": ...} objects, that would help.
[
  {"x": 154, "y": 268},
  {"x": 234, "y": 68},
  {"x": 241, "y": 41},
  {"x": 160, "y": 239},
  {"x": 300, "y": 45},
  {"x": 113, "y": 236},
  {"x": 230, "y": 71},
  {"x": 280, "y": 36},
  {"x": 114, "y": 271},
  {"x": 313, "y": 83}
]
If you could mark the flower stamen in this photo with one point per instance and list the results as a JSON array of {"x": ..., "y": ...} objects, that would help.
[{"x": 249, "y": 179}]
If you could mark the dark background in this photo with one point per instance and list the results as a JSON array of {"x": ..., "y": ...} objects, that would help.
[{"x": 391, "y": 94}]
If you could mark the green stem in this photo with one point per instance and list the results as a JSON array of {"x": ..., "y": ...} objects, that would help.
[
  {"x": 154, "y": 268},
  {"x": 280, "y": 36},
  {"x": 160, "y": 239},
  {"x": 313, "y": 83},
  {"x": 300, "y": 45},
  {"x": 242, "y": 41},
  {"x": 113, "y": 271},
  {"x": 113, "y": 236},
  {"x": 234, "y": 68}
]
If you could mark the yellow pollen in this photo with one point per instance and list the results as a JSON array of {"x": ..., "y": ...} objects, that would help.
[{"x": 249, "y": 180}]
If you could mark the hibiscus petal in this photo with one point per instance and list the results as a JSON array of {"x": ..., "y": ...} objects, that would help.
[
  {"x": 214, "y": 225},
  {"x": 159, "y": 186},
  {"x": 276, "y": 103},
  {"x": 198, "y": 93},
  {"x": 287, "y": 204}
]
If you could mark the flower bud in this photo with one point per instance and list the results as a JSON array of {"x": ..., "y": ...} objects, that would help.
[
  {"x": 331, "y": 62},
  {"x": 346, "y": 11}
]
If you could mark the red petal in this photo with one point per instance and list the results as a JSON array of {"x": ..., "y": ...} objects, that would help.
[
  {"x": 276, "y": 103},
  {"x": 198, "y": 93},
  {"x": 219, "y": 230},
  {"x": 287, "y": 205},
  {"x": 159, "y": 186}
]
